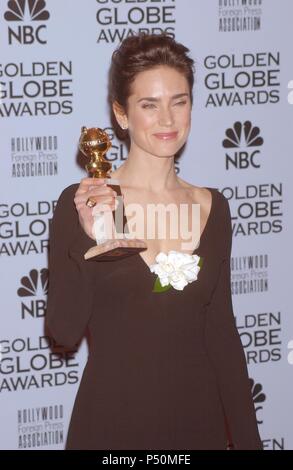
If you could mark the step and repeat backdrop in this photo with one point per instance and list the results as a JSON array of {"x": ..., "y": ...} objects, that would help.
[{"x": 54, "y": 60}]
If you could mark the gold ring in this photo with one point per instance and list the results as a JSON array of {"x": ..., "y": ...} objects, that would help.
[{"x": 90, "y": 202}]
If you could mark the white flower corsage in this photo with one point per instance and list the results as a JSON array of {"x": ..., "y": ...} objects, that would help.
[{"x": 175, "y": 269}]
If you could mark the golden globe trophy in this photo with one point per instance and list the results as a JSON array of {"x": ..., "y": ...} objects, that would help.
[{"x": 110, "y": 228}]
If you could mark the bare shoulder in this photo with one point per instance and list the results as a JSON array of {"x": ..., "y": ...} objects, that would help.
[{"x": 199, "y": 194}]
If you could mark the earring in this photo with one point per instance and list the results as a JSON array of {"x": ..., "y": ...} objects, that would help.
[{"x": 124, "y": 126}]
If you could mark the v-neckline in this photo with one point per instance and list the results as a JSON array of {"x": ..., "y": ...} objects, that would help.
[{"x": 203, "y": 233}]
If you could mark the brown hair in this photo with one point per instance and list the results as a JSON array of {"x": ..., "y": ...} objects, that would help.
[{"x": 140, "y": 53}]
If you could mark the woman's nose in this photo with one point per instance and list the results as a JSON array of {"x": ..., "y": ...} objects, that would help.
[{"x": 166, "y": 117}]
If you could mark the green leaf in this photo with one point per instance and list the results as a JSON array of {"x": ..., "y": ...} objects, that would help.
[
  {"x": 158, "y": 286},
  {"x": 200, "y": 263}
]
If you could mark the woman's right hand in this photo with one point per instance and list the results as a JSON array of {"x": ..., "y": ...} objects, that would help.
[{"x": 104, "y": 196}]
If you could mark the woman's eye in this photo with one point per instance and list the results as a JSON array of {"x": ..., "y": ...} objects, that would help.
[
  {"x": 152, "y": 105},
  {"x": 148, "y": 106}
]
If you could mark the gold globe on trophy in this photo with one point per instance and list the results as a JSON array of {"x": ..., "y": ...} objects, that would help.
[{"x": 110, "y": 234}]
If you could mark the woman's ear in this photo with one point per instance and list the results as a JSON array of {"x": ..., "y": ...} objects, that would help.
[{"x": 120, "y": 115}]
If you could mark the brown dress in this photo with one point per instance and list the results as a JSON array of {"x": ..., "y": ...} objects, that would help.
[{"x": 165, "y": 370}]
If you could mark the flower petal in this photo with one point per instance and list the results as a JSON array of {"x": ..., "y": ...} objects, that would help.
[
  {"x": 161, "y": 257},
  {"x": 179, "y": 284},
  {"x": 164, "y": 281}
]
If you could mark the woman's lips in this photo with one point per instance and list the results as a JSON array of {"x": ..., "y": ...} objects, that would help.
[{"x": 166, "y": 135}]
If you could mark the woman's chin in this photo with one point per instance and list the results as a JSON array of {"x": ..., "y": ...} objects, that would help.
[{"x": 164, "y": 151}]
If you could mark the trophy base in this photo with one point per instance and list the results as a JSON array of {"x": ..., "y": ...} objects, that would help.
[{"x": 113, "y": 249}]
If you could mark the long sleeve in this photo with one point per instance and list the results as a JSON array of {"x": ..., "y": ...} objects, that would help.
[
  {"x": 70, "y": 293},
  {"x": 226, "y": 352}
]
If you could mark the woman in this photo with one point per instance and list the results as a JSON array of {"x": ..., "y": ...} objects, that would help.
[{"x": 166, "y": 370}]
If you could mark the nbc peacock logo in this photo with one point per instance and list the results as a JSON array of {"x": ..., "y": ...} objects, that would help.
[
  {"x": 245, "y": 138},
  {"x": 33, "y": 291},
  {"x": 258, "y": 398},
  {"x": 26, "y": 12}
]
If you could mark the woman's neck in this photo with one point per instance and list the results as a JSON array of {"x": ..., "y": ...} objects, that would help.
[{"x": 147, "y": 172}]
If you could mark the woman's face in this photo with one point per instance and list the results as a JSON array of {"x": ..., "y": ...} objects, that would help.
[{"x": 159, "y": 111}]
